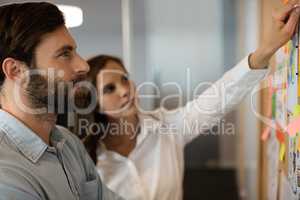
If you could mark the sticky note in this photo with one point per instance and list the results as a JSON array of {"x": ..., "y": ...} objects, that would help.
[
  {"x": 266, "y": 133},
  {"x": 282, "y": 152},
  {"x": 286, "y": 85},
  {"x": 270, "y": 86},
  {"x": 285, "y": 49},
  {"x": 296, "y": 111},
  {"x": 274, "y": 105},
  {"x": 293, "y": 73},
  {"x": 294, "y": 127},
  {"x": 298, "y": 148},
  {"x": 280, "y": 135}
]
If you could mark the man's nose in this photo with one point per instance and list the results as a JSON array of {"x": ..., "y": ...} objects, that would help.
[{"x": 81, "y": 66}]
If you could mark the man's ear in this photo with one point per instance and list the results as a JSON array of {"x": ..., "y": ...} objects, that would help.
[{"x": 13, "y": 69}]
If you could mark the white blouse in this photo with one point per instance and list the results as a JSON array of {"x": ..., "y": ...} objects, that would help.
[{"x": 154, "y": 169}]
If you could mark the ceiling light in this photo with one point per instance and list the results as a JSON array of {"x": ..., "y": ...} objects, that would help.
[{"x": 73, "y": 15}]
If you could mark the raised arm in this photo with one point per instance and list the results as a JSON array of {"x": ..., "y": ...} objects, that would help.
[{"x": 206, "y": 111}]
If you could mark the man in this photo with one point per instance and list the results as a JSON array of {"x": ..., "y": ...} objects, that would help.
[{"x": 39, "y": 160}]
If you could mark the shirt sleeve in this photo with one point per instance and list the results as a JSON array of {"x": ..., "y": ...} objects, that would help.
[
  {"x": 14, "y": 186},
  {"x": 11, "y": 192},
  {"x": 206, "y": 111}
]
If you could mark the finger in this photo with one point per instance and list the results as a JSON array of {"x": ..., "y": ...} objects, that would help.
[
  {"x": 289, "y": 1},
  {"x": 283, "y": 13},
  {"x": 292, "y": 22},
  {"x": 285, "y": 1}
]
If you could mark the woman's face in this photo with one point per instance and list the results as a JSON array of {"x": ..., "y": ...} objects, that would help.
[{"x": 116, "y": 93}]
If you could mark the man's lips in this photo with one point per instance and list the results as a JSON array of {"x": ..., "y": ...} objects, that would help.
[
  {"x": 78, "y": 80},
  {"x": 76, "y": 83}
]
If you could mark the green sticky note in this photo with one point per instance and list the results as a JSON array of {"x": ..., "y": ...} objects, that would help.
[{"x": 274, "y": 106}]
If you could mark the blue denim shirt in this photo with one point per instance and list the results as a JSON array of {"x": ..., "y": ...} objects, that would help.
[{"x": 31, "y": 170}]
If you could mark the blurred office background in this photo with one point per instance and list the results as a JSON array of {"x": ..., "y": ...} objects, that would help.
[{"x": 159, "y": 40}]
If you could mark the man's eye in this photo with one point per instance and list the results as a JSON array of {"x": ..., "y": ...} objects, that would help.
[
  {"x": 66, "y": 54},
  {"x": 109, "y": 89}
]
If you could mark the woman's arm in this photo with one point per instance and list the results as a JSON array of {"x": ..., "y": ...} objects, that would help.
[
  {"x": 283, "y": 28},
  {"x": 201, "y": 115},
  {"x": 207, "y": 110}
]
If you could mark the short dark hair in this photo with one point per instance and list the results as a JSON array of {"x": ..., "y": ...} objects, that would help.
[{"x": 22, "y": 27}]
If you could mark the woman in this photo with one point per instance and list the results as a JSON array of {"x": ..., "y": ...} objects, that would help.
[{"x": 141, "y": 156}]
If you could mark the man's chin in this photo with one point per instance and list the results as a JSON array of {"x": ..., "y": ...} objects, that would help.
[{"x": 80, "y": 100}]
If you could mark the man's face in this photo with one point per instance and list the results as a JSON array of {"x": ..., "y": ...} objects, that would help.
[{"x": 57, "y": 69}]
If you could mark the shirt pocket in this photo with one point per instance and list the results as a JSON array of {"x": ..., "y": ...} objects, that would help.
[{"x": 89, "y": 190}]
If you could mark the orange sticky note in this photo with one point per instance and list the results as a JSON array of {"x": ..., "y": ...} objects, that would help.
[
  {"x": 285, "y": 49},
  {"x": 280, "y": 135},
  {"x": 266, "y": 134},
  {"x": 284, "y": 85},
  {"x": 294, "y": 127}
]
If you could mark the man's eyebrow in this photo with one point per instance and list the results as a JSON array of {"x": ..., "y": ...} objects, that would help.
[{"x": 65, "y": 48}]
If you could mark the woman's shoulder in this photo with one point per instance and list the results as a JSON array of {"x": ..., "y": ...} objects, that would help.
[
  {"x": 150, "y": 115},
  {"x": 163, "y": 115}
]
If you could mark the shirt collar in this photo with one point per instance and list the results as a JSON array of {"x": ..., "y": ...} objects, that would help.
[
  {"x": 30, "y": 144},
  {"x": 148, "y": 125},
  {"x": 56, "y": 137}
]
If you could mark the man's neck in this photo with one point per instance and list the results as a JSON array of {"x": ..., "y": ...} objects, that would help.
[{"x": 41, "y": 124}]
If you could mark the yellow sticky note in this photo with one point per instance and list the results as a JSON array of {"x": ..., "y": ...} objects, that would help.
[
  {"x": 298, "y": 144},
  {"x": 282, "y": 152},
  {"x": 296, "y": 110}
]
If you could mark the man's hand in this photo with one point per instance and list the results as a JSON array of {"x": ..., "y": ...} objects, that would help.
[{"x": 284, "y": 26}]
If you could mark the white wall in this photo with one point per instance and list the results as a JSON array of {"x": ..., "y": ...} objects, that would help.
[
  {"x": 101, "y": 32},
  {"x": 184, "y": 34},
  {"x": 246, "y": 120},
  {"x": 170, "y": 36},
  {"x": 227, "y": 143}
]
